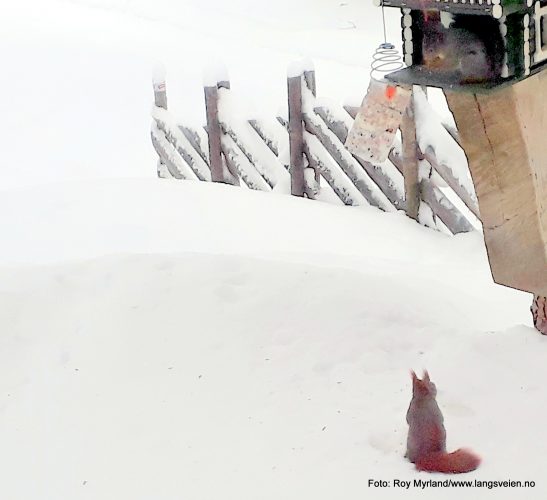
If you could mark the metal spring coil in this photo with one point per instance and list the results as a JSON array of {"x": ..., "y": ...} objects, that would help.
[{"x": 386, "y": 59}]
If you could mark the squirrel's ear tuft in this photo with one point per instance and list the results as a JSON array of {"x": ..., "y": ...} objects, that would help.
[
  {"x": 426, "y": 376},
  {"x": 413, "y": 375}
]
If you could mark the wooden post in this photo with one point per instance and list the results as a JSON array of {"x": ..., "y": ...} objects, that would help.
[
  {"x": 160, "y": 100},
  {"x": 219, "y": 171},
  {"x": 410, "y": 162},
  {"x": 214, "y": 134},
  {"x": 160, "y": 93},
  {"x": 309, "y": 80},
  {"x": 503, "y": 135},
  {"x": 296, "y": 135}
]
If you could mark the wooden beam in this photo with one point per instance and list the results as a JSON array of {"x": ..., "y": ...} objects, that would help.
[{"x": 503, "y": 135}]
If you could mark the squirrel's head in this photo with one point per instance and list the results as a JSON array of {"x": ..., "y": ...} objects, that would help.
[
  {"x": 435, "y": 50},
  {"x": 423, "y": 387}
]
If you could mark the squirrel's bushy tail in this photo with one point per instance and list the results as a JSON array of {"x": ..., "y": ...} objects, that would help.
[{"x": 452, "y": 463}]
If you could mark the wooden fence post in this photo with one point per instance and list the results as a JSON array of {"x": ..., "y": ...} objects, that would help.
[
  {"x": 309, "y": 80},
  {"x": 160, "y": 100},
  {"x": 219, "y": 172},
  {"x": 160, "y": 92},
  {"x": 296, "y": 135},
  {"x": 214, "y": 133},
  {"x": 410, "y": 162}
]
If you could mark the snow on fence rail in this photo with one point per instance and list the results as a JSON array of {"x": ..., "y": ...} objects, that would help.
[{"x": 306, "y": 152}]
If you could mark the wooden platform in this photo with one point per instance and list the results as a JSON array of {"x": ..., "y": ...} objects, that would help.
[
  {"x": 504, "y": 134},
  {"x": 420, "y": 75}
]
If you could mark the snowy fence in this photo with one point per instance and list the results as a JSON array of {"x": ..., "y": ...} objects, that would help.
[{"x": 304, "y": 154}]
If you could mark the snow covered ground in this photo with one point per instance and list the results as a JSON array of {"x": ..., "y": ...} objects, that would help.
[
  {"x": 174, "y": 340},
  {"x": 189, "y": 340}
]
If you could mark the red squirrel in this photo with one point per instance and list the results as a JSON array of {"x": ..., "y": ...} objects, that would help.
[
  {"x": 459, "y": 48},
  {"x": 426, "y": 444}
]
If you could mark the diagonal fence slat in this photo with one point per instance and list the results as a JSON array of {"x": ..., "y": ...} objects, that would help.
[
  {"x": 176, "y": 166},
  {"x": 257, "y": 127},
  {"x": 331, "y": 172},
  {"x": 450, "y": 216},
  {"x": 177, "y": 139},
  {"x": 195, "y": 140},
  {"x": 383, "y": 181},
  {"x": 347, "y": 168},
  {"x": 453, "y": 132},
  {"x": 275, "y": 137},
  {"x": 240, "y": 163},
  {"x": 446, "y": 174},
  {"x": 264, "y": 165},
  {"x": 322, "y": 162}
]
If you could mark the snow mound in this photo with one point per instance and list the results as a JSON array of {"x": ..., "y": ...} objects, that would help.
[{"x": 263, "y": 341}]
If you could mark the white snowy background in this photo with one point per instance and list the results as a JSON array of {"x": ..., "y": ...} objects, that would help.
[{"x": 183, "y": 340}]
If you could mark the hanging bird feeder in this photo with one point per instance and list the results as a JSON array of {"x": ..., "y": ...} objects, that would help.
[
  {"x": 478, "y": 43},
  {"x": 489, "y": 57}
]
